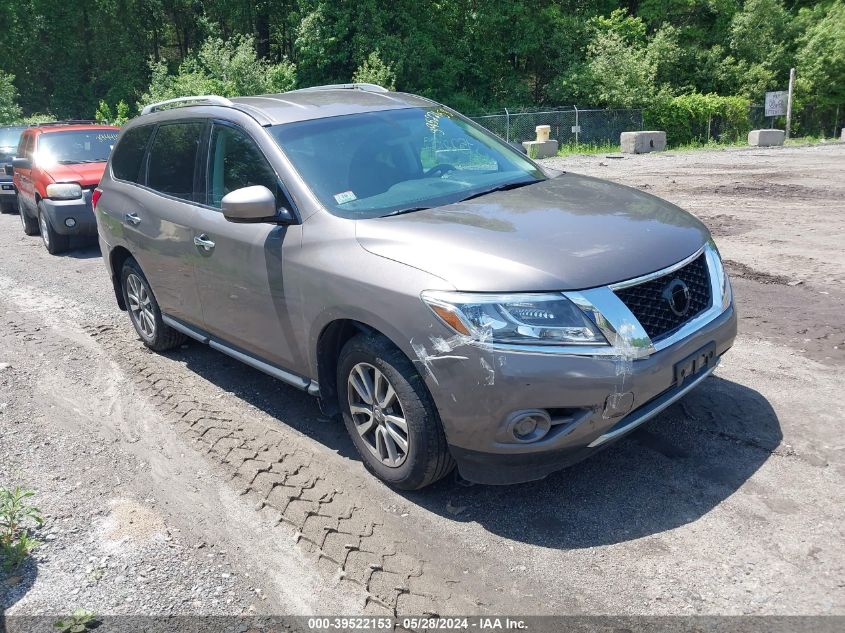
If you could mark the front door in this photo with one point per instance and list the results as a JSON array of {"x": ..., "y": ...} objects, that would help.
[{"x": 239, "y": 268}]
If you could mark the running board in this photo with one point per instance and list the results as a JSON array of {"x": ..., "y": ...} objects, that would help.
[{"x": 306, "y": 384}]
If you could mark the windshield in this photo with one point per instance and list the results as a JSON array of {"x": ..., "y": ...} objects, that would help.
[
  {"x": 78, "y": 146},
  {"x": 9, "y": 137},
  {"x": 381, "y": 163}
]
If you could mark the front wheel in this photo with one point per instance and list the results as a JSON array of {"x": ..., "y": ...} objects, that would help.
[
  {"x": 54, "y": 242},
  {"x": 390, "y": 415},
  {"x": 30, "y": 224},
  {"x": 144, "y": 311}
]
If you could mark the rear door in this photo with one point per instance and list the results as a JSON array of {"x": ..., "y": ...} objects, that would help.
[
  {"x": 158, "y": 217},
  {"x": 239, "y": 268}
]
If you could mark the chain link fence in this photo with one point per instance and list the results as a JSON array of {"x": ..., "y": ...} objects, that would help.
[
  {"x": 573, "y": 126},
  {"x": 569, "y": 125}
]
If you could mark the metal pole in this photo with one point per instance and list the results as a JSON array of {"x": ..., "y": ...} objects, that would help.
[
  {"x": 577, "y": 130},
  {"x": 507, "y": 126},
  {"x": 789, "y": 101}
]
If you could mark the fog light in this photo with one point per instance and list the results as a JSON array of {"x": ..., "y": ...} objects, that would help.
[
  {"x": 70, "y": 223},
  {"x": 530, "y": 425}
]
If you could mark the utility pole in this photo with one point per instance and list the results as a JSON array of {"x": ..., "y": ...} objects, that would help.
[{"x": 789, "y": 100}]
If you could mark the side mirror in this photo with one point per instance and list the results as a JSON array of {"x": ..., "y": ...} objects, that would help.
[
  {"x": 21, "y": 163},
  {"x": 9, "y": 169},
  {"x": 252, "y": 204},
  {"x": 519, "y": 148}
]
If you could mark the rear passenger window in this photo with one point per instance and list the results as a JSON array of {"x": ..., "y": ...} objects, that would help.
[
  {"x": 237, "y": 162},
  {"x": 129, "y": 153},
  {"x": 173, "y": 156}
]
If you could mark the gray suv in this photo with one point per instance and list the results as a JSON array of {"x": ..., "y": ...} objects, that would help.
[{"x": 454, "y": 301}]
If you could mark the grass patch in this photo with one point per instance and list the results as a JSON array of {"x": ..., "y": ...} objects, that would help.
[{"x": 569, "y": 149}]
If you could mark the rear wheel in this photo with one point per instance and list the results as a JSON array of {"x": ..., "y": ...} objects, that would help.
[
  {"x": 390, "y": 415},
  {"x": 144, "y": 311},
  {"x": 30, "y": 224},
  {"x": 55, "y": 243}
]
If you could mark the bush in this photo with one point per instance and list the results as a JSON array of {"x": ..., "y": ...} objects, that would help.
[
  {"x": 699, "y": 118},
  {"x": 119, "y": 116},
  {"x": 375, "y": 71},
  {"x": 227, "y": 68}
]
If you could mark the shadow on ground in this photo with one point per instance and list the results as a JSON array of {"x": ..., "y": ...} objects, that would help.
[
  {"x": 674, "y": 469},
  {"x": 15, "y": 584}
]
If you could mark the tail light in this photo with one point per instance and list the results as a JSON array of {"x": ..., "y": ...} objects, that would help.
[{"x": 95, "y": 197}]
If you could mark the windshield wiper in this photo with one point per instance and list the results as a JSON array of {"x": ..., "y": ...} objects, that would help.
[
  {"x": 404, "y": 211},
  {"x": 505, "y": 187}
]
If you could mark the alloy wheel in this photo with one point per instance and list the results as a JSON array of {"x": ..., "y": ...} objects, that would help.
[
  {"x": 378, "y": 415},
  {"x": 140, "y": 306}
]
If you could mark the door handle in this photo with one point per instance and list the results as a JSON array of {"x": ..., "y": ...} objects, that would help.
[
  {"x": 132, "y": 218},
  {"x": 203, "y": 242}
]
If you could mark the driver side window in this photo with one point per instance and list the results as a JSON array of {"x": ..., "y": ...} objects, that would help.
[{"x": 236, "y": 162}]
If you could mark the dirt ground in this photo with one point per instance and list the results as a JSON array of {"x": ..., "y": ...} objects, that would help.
[{"x": 188, "y": 483}]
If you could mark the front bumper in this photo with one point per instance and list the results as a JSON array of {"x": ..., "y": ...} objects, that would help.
[
  {"x": 80, "y": 211},
  {"x": 8, "y": 195},
  {"x": 593, "y": 401}
]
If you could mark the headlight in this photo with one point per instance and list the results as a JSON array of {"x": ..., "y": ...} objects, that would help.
[
  {"x": 722, "y": 276},
  {"x": 64, "y": 191},
  {"x": 540, "y": 319}
]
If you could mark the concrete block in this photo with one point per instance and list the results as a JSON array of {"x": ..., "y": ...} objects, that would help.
[
  {"x": 766, "y": 138},
  {"x": 642, "y": 142},
  {"x": 540, "y": 149}
]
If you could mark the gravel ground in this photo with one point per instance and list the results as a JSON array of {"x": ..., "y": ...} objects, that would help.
[{"x": 187, "y": 483}]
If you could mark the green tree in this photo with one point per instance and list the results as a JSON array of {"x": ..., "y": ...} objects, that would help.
[
  {"x": 228, "y": 68},
  {"x": 10, "y": 111},
  {"x": 375, "y": 71},
  {"x": 821, "y": 55}
]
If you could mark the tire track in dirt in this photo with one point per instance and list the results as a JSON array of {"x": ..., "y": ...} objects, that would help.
[{"x": 327, "y": 511}]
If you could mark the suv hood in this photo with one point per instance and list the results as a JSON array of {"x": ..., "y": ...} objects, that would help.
[
  {"x": 86, "y": 174},
  {"x": 566, "y": 233}
]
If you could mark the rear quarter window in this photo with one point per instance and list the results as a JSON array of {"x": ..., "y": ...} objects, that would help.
[{"x": 128, "y": 156}]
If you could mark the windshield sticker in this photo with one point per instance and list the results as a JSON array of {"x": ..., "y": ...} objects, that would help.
[{"x": 344, "y": 197}]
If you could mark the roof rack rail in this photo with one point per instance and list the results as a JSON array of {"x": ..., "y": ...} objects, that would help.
[
  {"x": 65, "y": 122},
  {"x": 356, "y": 86},
  {"x": 184, "y": 101}
]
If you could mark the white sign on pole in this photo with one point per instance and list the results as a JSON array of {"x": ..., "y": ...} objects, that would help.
[{"x": 776, "y": 103}]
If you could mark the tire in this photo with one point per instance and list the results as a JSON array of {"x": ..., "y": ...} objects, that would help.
[
  {"x": 30, "y": 225},
  {"x": 146, "y": 319},
  {"x": 426, "y": 456},
  {"x": 55, "y": 243},
  {"x": 6, "y": 207}
]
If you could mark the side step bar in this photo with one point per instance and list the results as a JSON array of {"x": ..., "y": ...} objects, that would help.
[{"x": 306, "y": 384}]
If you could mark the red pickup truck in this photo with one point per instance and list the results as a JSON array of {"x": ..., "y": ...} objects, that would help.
[{"x": 57, "y": 167}]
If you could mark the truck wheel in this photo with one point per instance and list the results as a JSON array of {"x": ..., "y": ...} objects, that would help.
[
  {"x": 30, "y": 225},
  {"x": 54, "y": 242},
  {"x": 390, "y": 415},
  {"x": 144, "y": 311}
]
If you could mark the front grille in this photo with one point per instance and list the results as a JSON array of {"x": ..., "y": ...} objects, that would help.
[{"x": 652, "y": 310}]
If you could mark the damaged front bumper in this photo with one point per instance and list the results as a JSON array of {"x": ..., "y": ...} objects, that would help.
[
  {"x": 580, "y": 399},
  {"x": 591, "y": 400}
]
